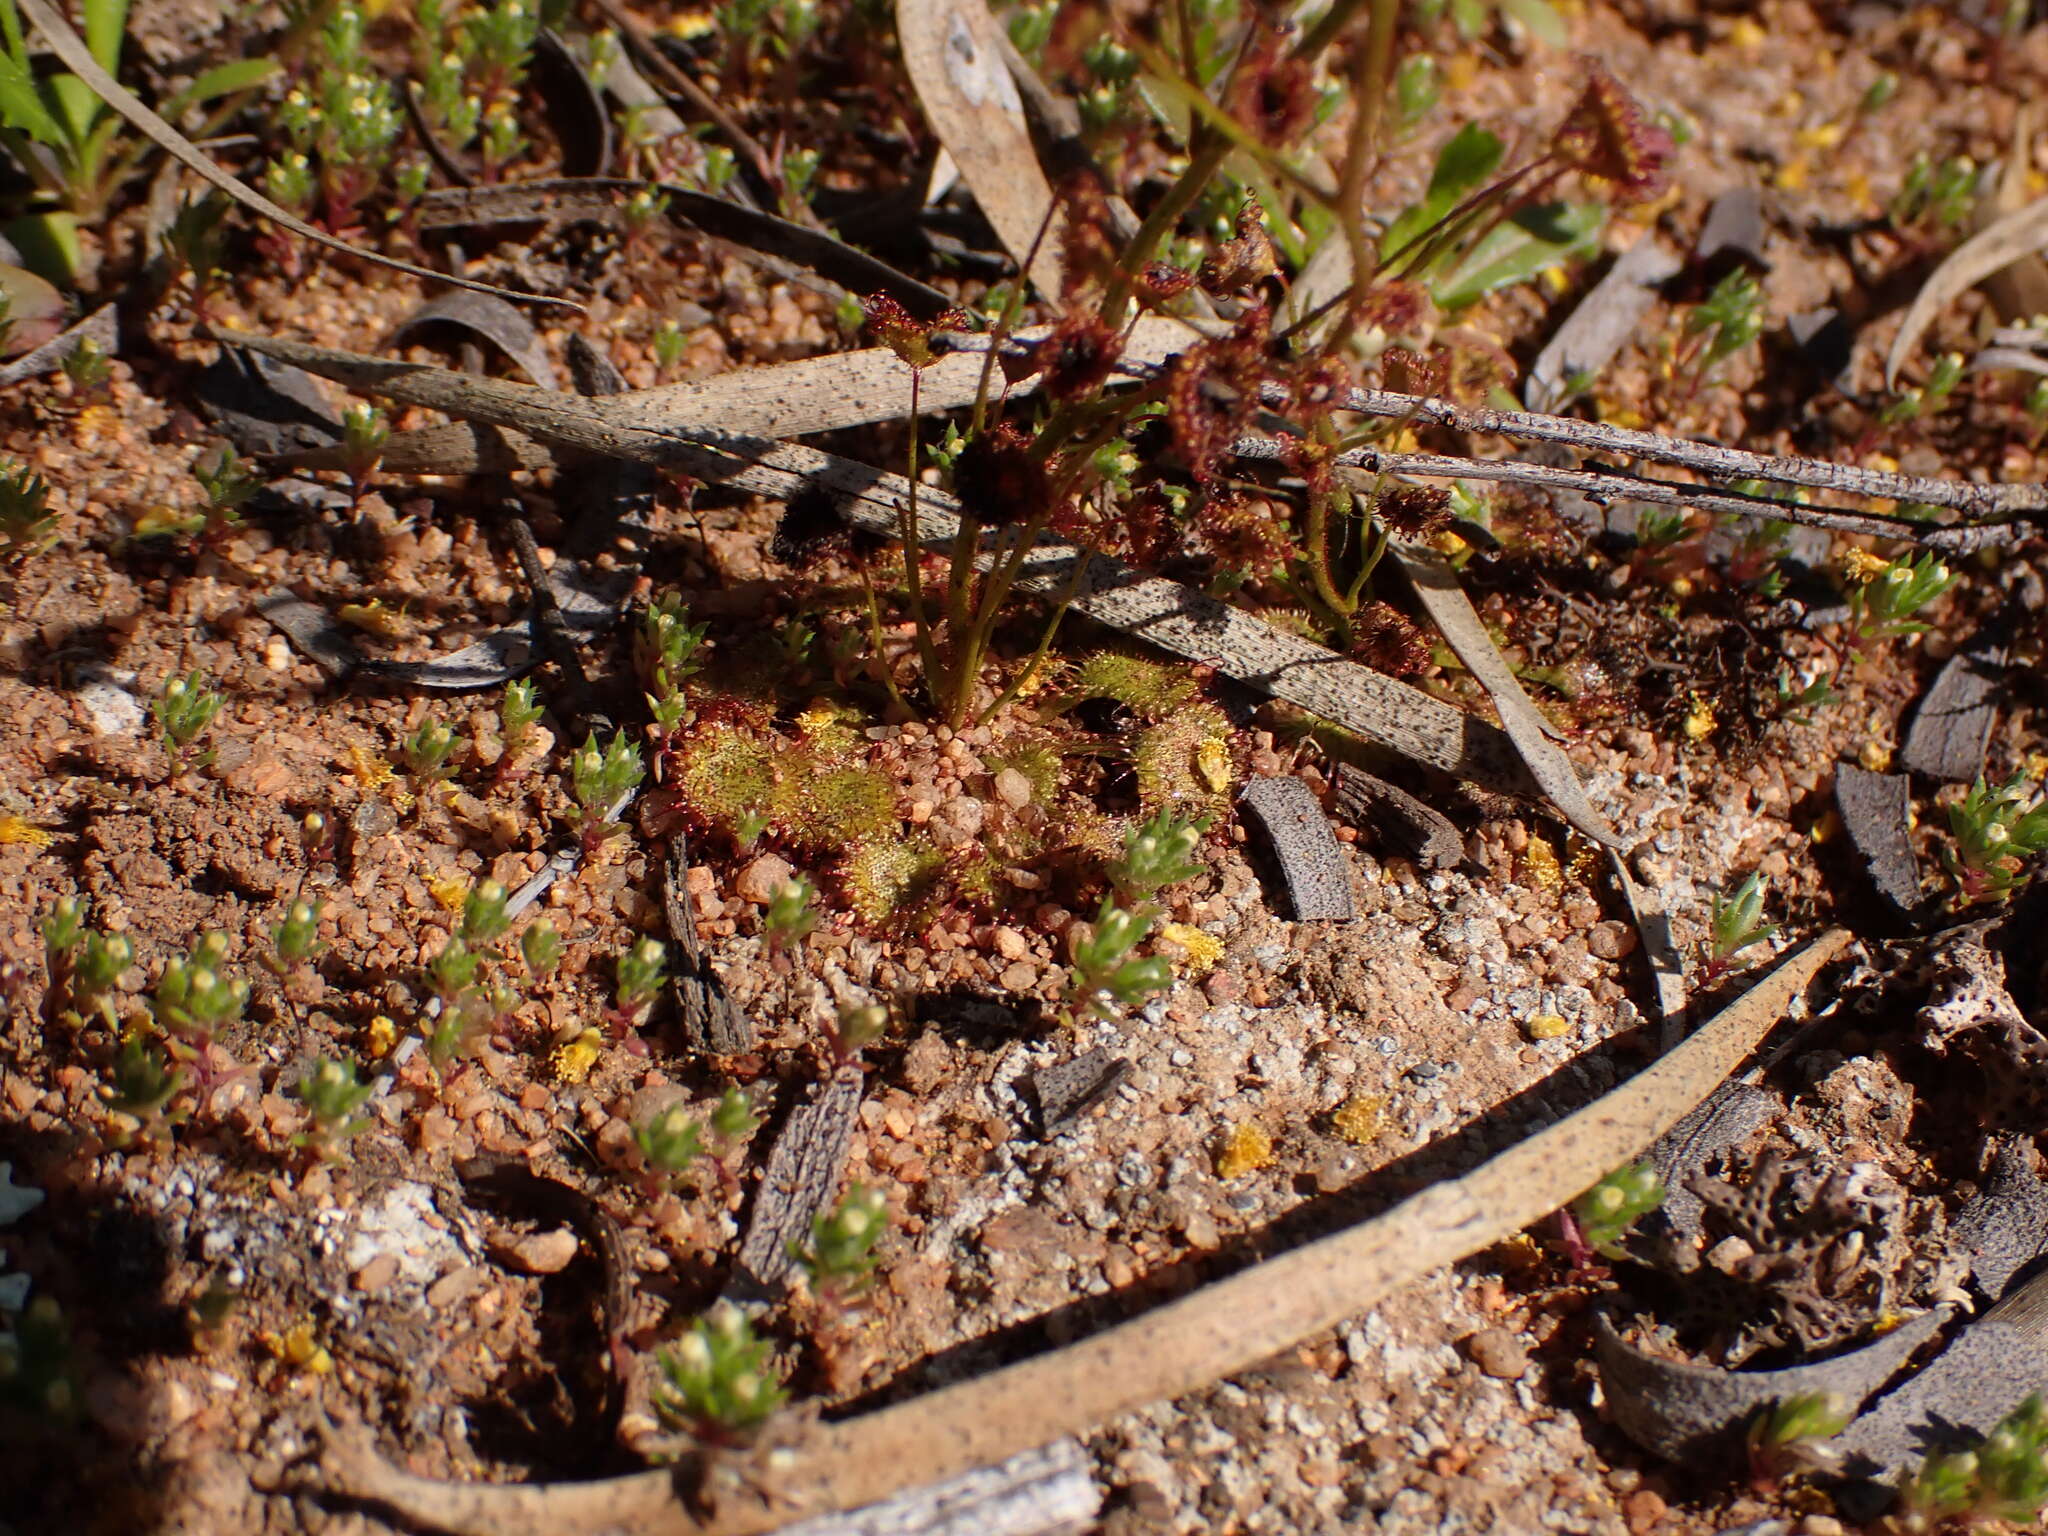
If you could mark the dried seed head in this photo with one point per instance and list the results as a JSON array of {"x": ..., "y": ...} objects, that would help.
[
  {"x": 1163, "y": 282},
  {"x": 1414, "y": 511},
  {"x": 1245, "y": 536},
  {"x": 997, "y": 479},
  {"x": 1606, "y": 135},
  {"x": 810, "y": 523},
  {"x": 1078, "y": 356},
  {"x": 1238, "y": 264},
  {"x": 1410, "y": 373},
  {"x": 1385, "y": 639},
  {"x": 1087, "y": 251}
]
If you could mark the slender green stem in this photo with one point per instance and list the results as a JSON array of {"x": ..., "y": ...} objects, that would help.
[
  {"x": 1370, "y": 69},
  {"x": 1052, "y": 629},
  {"x": 913, "y": 555},
  {"x": 1202, "y": 164}
]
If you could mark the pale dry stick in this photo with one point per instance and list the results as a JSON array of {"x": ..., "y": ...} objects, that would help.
[
  {"x": 1161, "y": 612},
  {"x": 71, "y": 49},
  {"x": 1211, "y": 1334},
  {"x": 873, "y": 384},
  {"x": 1983, "y": 501}
]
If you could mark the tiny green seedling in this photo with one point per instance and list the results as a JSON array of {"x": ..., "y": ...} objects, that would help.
[
  {"x": 1105, "y": 976},
  {"x": 428, "y": 751},
  {"x": 1885, "y": 605},
  {"x": 85, "y": 966},
  {"x": 364, "y": 432},
  {"x": 1930, "y": 398},
  {"x": 145, "y": 1081},
  {"x": 540, "y": 949},
  {"x": 791, "y": 916},
  {"x": 1158, "y": 854},
  {"x": 518, "y": 713},
  {"x": 717, "y": 1380},
  {"x": 27, "y": 525},
  {"x": 670, "y": 1140},
  {"x": 88, "y": 368},
  {"x": 2004, "y": 1478},
  {"x": 296, "y": 940},
  {"x": 857, "y": 1026},
  {"x": 1723, "y": 323},
  {"x": 1791, "y": 1434},
  {"x": 839, "y": 1258},
  {"x": 1994, "y": 831},
  {"x": 332, "y": 1094},
  {"x": 641, "y": 971},
  {"x": 183, "y": 711},
  {"x": 1599, "y": 1219},
  {"x": 229, "y": 483},
  {"x": 1737, "y": 922},
  {"x": 600, "y": 779},
  {"x": 195, "y": 1000},
  {"x": 485, "y": 919},
  {"x": 668, "y": 343}
]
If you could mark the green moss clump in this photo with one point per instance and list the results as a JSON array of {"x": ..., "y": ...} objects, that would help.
[
  {"x": 1039, "y": 762},
  {"x": 726, "y": 775}
]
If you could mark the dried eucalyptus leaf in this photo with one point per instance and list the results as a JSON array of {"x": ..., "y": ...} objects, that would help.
[
  {"x": 953, "y": 55},
  {"x": 575, "y": 110},
  {"x": 483, "y": 315},
  {"x": 1691, "y": 1413},
  {"x": 1986, "y": 1371}
]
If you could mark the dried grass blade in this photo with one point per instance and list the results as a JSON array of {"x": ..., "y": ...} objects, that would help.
[
  {"x": 1436, "y": 587},
  {"x": 1992, "y": 249}
]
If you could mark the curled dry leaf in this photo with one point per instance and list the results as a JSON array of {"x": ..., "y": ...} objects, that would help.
[
  {"x": 34, "y": 309},
  {"x": 480, "y": 315},
  {"x": 1692, "y": 1413},
  {"x": 1174, "y": 1349}
]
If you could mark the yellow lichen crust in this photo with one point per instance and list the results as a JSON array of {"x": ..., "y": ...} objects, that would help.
[
  {"x": 1360, "y": 1119},
  {"x": 1548, "y": 1026},
  {"x": 573, "y": 1058},
  {"x": 1540, "y": 868},
  {"x": 1199, "y": 951},
  {"x": 15, "y": 831},
  {"x": 1245, "y": 1150},
  {"x": 448, "y": 891}
]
